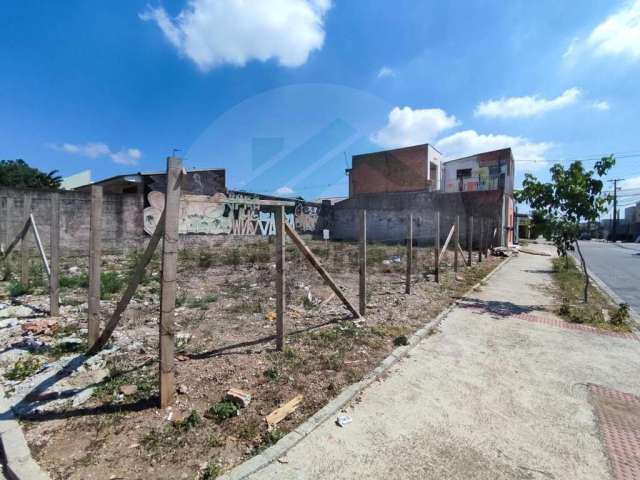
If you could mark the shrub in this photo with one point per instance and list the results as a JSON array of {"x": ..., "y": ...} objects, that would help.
[
  {"x": 272, "y": 373},
  {"x": 17, "y": 289},
  {"x": 401, "y": 341},
  {"x": 211, "y": 471},
  {"x": 190, "y": 421},
  {"x": 620, "y": 315},
  {"x": 272, "y": 437},
  {"x": 110, "y": 282},
  {"x": 223, "y": 410},
  {"x": 74, "y": 281}
]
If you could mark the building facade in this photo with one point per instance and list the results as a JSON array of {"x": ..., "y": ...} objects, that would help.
[{"x": 409, "y": 169}]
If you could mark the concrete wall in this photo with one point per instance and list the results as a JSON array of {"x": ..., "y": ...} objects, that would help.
[
  {"x": 387, "y": 214},
  {"x": 122, "y": 218}
]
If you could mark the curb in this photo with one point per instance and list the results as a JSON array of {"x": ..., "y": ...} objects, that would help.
[
  {"x": 18, "y": 463},
  {"x": 290, "y": 440},
  {"x": 633, "y": 315}
]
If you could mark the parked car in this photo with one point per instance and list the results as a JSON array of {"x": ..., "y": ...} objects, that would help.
[{"x": 585, "y": 236}]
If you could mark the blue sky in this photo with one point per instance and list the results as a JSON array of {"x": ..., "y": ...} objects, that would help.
[{"x": 281, "y": 93}]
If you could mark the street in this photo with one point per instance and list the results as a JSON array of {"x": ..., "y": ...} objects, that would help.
[{"x": 618, "y": 266}]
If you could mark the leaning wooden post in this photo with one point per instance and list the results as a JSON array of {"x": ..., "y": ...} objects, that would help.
[
  {"x": 436, "y": 246},
  {"x": 407, "y": 285},
  {"x": 95, "y": 259},
  {"x": 168, "y": 286},
  {"x": 469, "y": 239},
  {"x": 54, "y": 245},
  {"x": 24, "y": 255},
  {"x": 280, "y": 279},
  {"x": 363, "y": 263},
  {"x": 456, "y": 247}
]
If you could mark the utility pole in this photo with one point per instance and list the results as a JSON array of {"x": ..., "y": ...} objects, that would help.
[{"x": 614, "y": 226}]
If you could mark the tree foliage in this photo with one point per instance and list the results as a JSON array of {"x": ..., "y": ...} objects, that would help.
[
  {"x": 573, "y": 195},
  {"x": 17, "y": 173}
]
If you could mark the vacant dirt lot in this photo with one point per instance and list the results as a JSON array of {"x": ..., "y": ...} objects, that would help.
[{"x": 100, "y": 421}]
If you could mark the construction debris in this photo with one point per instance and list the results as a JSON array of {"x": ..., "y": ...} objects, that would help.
[
  {"x": 41, "y": 326},
  {"x": 128, "y": 389},
  {"x": 239, "y": 397},
  {"x": 344, "y": 420},
  {"x": 503, "y": 251},
  {"x": 534, "y": 252},
  {"x": 283, "y": 411}
]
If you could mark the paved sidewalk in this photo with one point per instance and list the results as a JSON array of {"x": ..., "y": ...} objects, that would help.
[{"x": 501, "y": 392}]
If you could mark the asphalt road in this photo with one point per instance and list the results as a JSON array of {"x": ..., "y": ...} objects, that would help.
[{"x": 618, "y": 266}]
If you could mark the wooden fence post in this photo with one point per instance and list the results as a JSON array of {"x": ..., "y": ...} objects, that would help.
[
  {"x": 280, "y": 277},
  {"x": 456, "y": 239},
  {"x": 480, "y": 240},
  {"x": 54, "y": 244},
  {"x": 24, "y": 256},
  {"x": 436, "y": 245},
  {"x": 469, "y": 239},
  {"x": 95, "y": 259},
  {"x": 363, "y": 263},
  {"x": 8, "y": 210},
  {"x": 407, "y": 286},
  {"x": 168, "y": 286}
]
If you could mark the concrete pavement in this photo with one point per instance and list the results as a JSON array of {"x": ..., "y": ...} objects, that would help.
[
  {"x": 499, "y": 393},
  {"x": 618, "y": 266}
]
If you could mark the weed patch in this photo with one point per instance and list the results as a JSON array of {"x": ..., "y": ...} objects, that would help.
[
  {"x": 223, "y": 410},
  {"x": 569, "y": 284},
  {"x": 23, "y": 368}
]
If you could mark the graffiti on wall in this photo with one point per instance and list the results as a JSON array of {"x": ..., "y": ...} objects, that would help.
[{"x": 214, "y": 215}]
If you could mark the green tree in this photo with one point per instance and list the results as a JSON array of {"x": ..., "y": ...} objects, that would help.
[
  {"x": 17, "y": 173},
  {"x": 574, "y": 195}
]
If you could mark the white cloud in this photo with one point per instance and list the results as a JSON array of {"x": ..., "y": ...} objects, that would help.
[
  {"x": 284, "y": 190},
  {"x": 600, "y": 105},
  {"x": 386, "y": 72},
  {"x": 618, "y": 34},
  {"x": 468, "y": 142},
  {"x": 217, "y": 32},
  {"x": 528, "y": 106},
  {"x": 127, "y": 156},
  {"x": 631, "y": 182},
  {"x": 406, "y": 126}
]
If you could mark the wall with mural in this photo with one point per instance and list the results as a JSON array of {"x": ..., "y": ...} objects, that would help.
[
  {"x": 214, "y": 215},
  {"x": 483, "y": 172}
]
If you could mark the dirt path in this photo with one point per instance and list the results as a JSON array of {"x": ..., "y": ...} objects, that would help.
[{"x": 500, "y": 392}]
